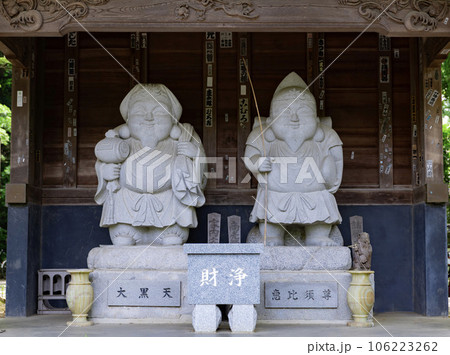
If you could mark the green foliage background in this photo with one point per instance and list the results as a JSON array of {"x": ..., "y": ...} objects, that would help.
[{"x": 5, "y": 136}]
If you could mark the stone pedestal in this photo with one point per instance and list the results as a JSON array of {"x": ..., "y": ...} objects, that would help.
[
  {"x": 242, "y": 318},
  {"x": 114, "y": 267},
  {"x": 225, "y": 274},
  {"x": 206, "y": 318},
  {"x": 294, "y": 269}
]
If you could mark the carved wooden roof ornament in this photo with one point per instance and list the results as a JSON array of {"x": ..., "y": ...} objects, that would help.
[
  {"x": 30, "y": 15},
  {"x": 201, "y": 7},
  {"x": 416, "y": 15}
]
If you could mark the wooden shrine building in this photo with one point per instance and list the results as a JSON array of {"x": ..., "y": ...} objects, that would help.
[{"x": 373, "y": 67}]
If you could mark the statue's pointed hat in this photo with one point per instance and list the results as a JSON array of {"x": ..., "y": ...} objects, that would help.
[
  {"x": 292, "y": 80},
  {"x": 158, "y": 92}
]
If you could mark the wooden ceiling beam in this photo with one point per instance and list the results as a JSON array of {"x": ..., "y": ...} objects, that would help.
[
  {"x": 15, "y": 51},
  {"x": 436, "y": 51},
  {"x": 402, "y": 19}
]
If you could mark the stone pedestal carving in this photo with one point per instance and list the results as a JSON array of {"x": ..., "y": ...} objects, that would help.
[
  {"x": 225, "y": 274},
  {"x": 286, "y": 269}
]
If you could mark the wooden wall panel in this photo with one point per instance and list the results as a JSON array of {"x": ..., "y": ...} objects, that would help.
[
  {"x": 175, "y": 60},
  {"x": 352, "y": 103},
  {"x": 401, "y": 112},
  {"x": 103, "y": 83},
  {"x": 227, "y": 99},
  {"x": 53, "y": 112},
  {"x": 275, "y": 55}
]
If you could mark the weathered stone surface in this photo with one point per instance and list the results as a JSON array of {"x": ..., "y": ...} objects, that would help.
[
  {"x": 145, "y": 293},
  {"x": 138, "y": 257},
  {"x": 306, "y": 258},
  {"x": 206, "y": 318},
  {"x": 214, "y": 228},
  {"x": 341, "y": 314},
  {"x": 234, "y": 229},
  {"x": 223, "y": 273},
  {"x": 242, "y": 318},
  {"x": 102, "y": 280},
  {"x": 301, "y": 294},
  {"x": 356, "y": 227},
  {"x": 173, "y": 257},
  {"x": 223, "y": 249},
  {"x": 163, "y": 264}
]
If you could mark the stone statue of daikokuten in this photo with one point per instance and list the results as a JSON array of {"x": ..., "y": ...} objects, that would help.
[
  {"x": 148, "y": 180},
  {"x": 302, "y": 167}
]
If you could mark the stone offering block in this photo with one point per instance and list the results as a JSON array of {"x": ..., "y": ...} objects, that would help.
[
  {"x": 145, "y": 293},
  {"x": 223, "y": 273},
  {"x": 301, "y": 295}
]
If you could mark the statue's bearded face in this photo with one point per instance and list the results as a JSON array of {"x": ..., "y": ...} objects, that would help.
[
  {"x": 292, "y": 119},
  {"x": 149, "y": 120}
]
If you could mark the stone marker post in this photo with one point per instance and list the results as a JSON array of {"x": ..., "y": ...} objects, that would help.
[
  {"x": 224, "y": 274},
  {"x": 214, "y": 228},
  {"x": 234, "y": 229}
]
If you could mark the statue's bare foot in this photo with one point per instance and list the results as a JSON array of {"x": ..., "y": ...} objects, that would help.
[
  {"x": 172, "y": 239},
  {"x": 319, "y": 242},
  {"x": 123, "y": 234},
  {"x": 175, "y": 235}
]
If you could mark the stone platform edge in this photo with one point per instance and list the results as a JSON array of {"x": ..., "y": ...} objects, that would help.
[{"x": 174, "y": 258}]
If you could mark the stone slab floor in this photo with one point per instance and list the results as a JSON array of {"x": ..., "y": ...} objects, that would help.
[{"x": 395, "y": 324}]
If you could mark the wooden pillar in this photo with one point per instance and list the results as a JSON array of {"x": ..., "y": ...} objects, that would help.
[
  {"x": 386, "y": 158},
  {"x": 24, "y": 218},
  {"x": 22, "y": 124},
  {"x": 139, "y": 60},
  {"x": 244, "y": 107},
  {"x": 320, "y": 72},
  {"x": 210, "y": 103},
  {"x": 431, "y": 125},
  {"x": 429, "y": 213},
  {"x": 70, "y": 110},
  {"x": 416, "y": 144}
]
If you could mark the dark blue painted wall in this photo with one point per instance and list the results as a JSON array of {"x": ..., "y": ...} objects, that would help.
[
  {"x": 70, "y": 232},
  {"x": 390, "y": 230},
  {"x": 408, "y": 247},
  {"x": 430, "y": 254},
  {"x": 24, "y": 238}
]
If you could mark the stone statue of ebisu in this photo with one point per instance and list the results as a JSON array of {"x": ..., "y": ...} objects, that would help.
[
  {"x": 301, "y": 158},
  {"x": 148, "y": 180}
]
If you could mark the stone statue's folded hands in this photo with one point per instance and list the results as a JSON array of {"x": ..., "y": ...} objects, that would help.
[
  {"x": 187, "y": 149},
  {"x": 111, "y": 172},
  {"x": 266, "y": 166}
]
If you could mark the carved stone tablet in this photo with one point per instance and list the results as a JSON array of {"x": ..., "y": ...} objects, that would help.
[
  {"x": 145, "y": 293},
  {"x": 234, "y": 229},
  {"x": 300, "y": 295},
  {"x": 214, "y": 227},
  {"x": 356, "y": 227}
]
